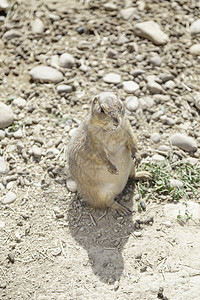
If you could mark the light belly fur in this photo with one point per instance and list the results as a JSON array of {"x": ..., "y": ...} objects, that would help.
[{"x": 114, "y": 184}]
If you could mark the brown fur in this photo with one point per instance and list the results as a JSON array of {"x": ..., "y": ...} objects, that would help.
[{"x": 102, "y": 151}]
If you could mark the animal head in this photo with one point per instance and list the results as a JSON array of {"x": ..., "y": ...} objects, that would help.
[{"x": 107, "y": 110}]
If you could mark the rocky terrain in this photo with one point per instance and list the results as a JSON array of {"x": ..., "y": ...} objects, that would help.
[{"x": 55, "y": 56}]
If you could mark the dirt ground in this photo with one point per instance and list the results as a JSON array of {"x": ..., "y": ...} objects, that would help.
[{"x": 52, "y": 245}]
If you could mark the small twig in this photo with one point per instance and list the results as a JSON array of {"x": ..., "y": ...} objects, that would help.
[
  {"x": 93, "y": 220},
  {"x": 102, "y": 216},
  {"x": 110, "y": 248},
  {"x": 189, "y": 267},
  {"x": 62, "y": 249},
  {"x": 186, "y": 87}
]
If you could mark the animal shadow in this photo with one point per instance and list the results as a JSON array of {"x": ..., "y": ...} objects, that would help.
[{"x": 103, "y": 234}]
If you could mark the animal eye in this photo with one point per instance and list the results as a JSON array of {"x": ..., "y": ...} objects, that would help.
[{"x": 102, "y": 110}]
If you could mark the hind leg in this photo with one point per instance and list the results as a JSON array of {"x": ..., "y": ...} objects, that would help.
[{"x": 142, "y": 175}]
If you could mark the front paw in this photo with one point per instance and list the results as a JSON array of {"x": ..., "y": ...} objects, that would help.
[
  {"x": 112, "y": 169},
  {"x": 137, "y": 158}
]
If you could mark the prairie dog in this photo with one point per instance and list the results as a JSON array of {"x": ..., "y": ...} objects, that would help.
[{"x": 103, "y": 152}]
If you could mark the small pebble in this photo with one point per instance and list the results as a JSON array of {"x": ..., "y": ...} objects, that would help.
[
  {"x": 9, "y": 198},
  {"x": 66, "y": 60},
  {"x": 3, "y": 166},
  {"x": 12, "y": 34},
  {"x": 155, "y": 137},
  {"x": 37, "y": 152},
  {"x": 195, "y": 27},
  {"x": 11, "y": 258},
  {"x": 137, "y": 233},
  {"x": 6, "y": 115},
  {"x": 19, "y": 102},
  {"x": 64, "y": 88},
  {"x": 112, "y": 78},
  {"x": 132, "y": 103},
  {"x": 3, "y": 285},
  {"x": 130, "y": 86},
  {"x": 18, "y": 134},
  {"x": 71, "y": 185},
  {"x": 37, "y": 26},
  {"x": 176, "y": 183}
]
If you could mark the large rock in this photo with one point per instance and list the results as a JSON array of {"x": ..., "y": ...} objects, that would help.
[
  {"x": 184, "y": 142},
  {"x": 151, "y": 31},
  {"x": 6, "y": 115},
  {"x": 46, "y": 74}
]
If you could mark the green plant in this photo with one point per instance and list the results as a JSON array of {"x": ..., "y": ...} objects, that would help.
[{"x": 188, "y": 174}]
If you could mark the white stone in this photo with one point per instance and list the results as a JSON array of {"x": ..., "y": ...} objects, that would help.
[
  {"x": 175, "y": 183},
  {"x": 72, "y": 131},
  {"x": 170, "y": 84},
  {"x": 151, "y": 31},
  {"x": 46, "y": 74},
  {"x": 132, "y": 103},
  {"x": 112, "y": 78},
  {"x": 197, "y": 100},
  {"x": 18, "y": 134},
  {"x": 195, "y": 27},
  {"x": 2, "y": 134},
  {"x": 52, "y": 152},
  {"x": 3, "y": 166},
  {"x": 37, "y": 26},
  {"x": 195, "y": 49},
  {"x": 12, "y": 34},
  {"x": 130, "y": 86},
  {"x": 64, "y": 88},
  {"x": 183, "y": 142},
  {"x": 37, "y": 152},
  {"x": 146, "y": 102},
  {"x": 2, "y": 225},
  {"x": 9, "y": 198},
  {"x": 127, "y": 13},
  {"x": 4, "y": 5},
  {"x": 66, "y": 60},
  {"x": 156, "y": 60},
  {"x": 6, "y": 115},
  {"x": 54, "y": 62},
  {"x": 71, "y": 185},
  {"x": 155, "y": 137},
  {"x": 158, "y": 157},
  {"x": 164, "y": 148},
  {"x": 183, "y": 209},
  {"x": 19, "y": 102},
  {"x": 154, "y": 87}
]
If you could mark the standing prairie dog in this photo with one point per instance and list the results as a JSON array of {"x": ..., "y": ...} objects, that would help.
[{"x": 102, "y": 153}]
